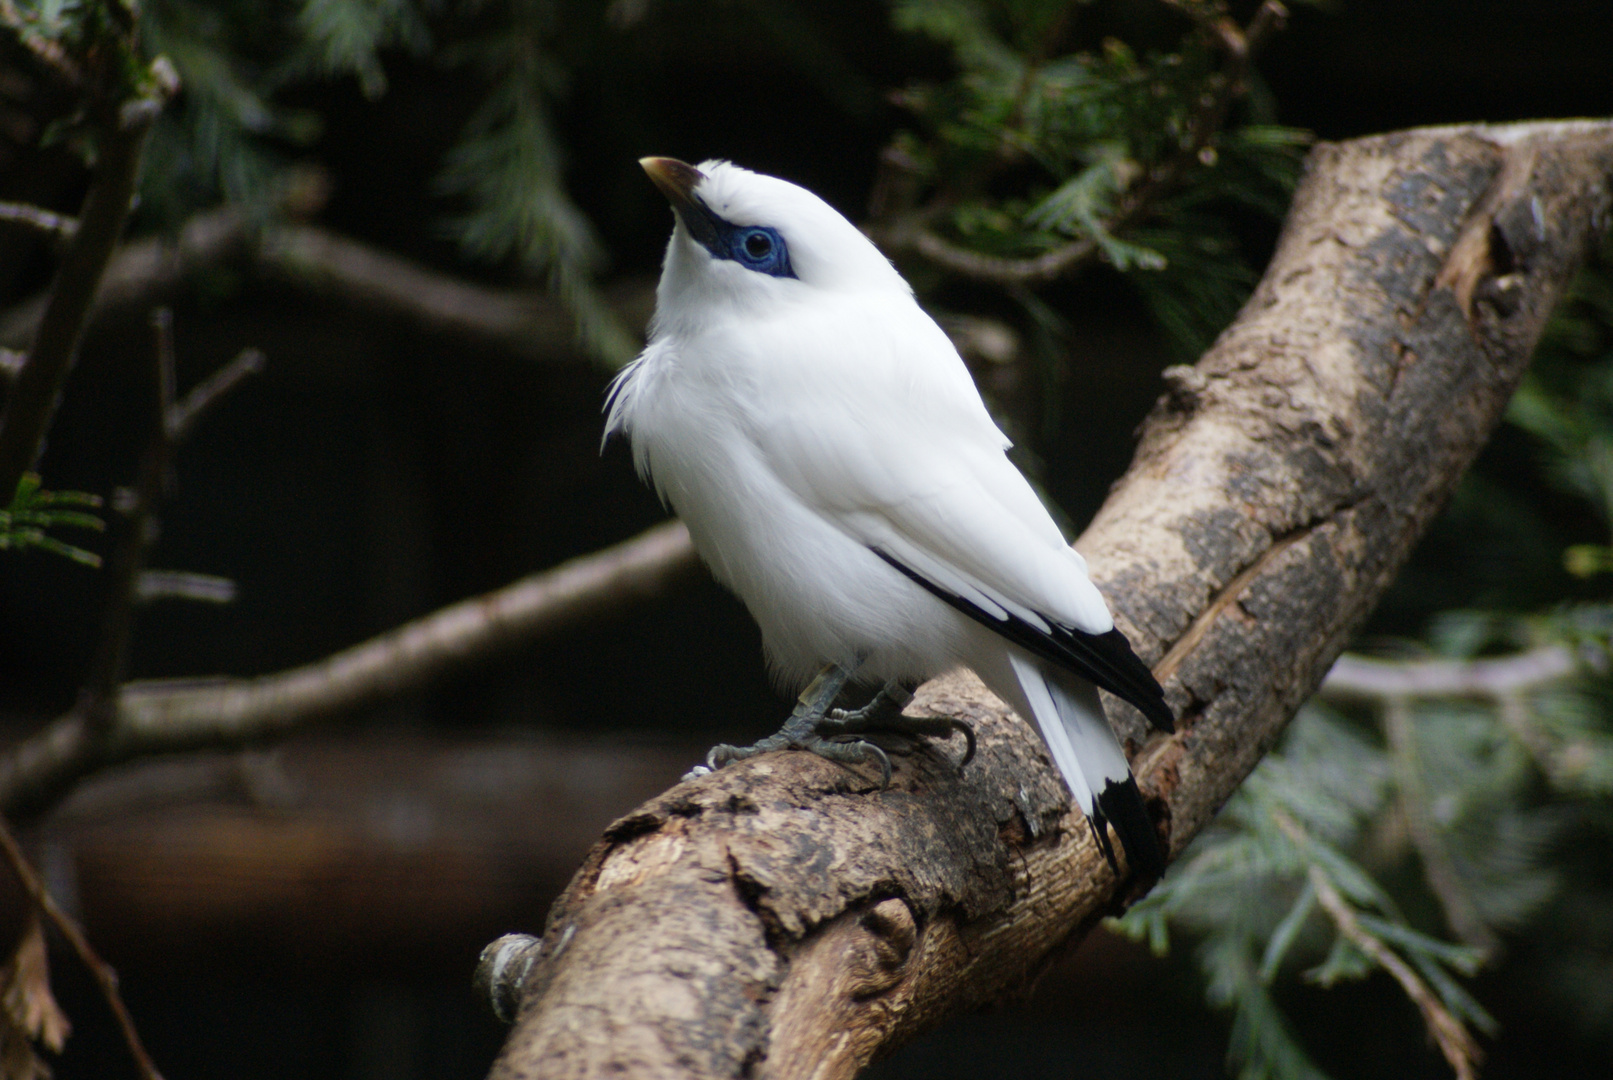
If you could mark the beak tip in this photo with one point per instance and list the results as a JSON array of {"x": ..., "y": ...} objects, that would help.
[{"x": 676, "y": 179}]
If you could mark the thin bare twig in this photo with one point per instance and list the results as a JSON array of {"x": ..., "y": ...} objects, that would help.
[
  {"x": 1452, "y": 1036},
  {"x": 105, "y": 977},
  {"x": 162, "y": 325},
  {"x": 528, "y": 323},
  {"x": 1355, "y": 676},
  {"x": 1561, "y": 762},
  {"x": 183, "y": 584},
  {"x": 1508, "y": 682},
  {"x": 144, "y": 272},
  {"x": 97, "y": 700},
  {"x": 533, "y": 323},
  {"x": 95, "y": 714},
  {"x": 183, "y": 415},
  {"x": 410, "y": 655},
  {"x": 912, "y": 234},
  {"x": 37, "y": 217},
  {"x": 38, "y": 384}
]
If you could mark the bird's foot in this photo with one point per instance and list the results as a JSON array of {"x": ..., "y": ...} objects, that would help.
[
  {"x": 845, "y": 749},
  {"x": 883, "y": 716},
  {"x": 798, "y": 732},
  {"x": 848, "y": 737}
]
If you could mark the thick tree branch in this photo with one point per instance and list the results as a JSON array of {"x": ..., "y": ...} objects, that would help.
[
  {"x": 784, "y": 917},
  {"x": 160, "y": 717}
]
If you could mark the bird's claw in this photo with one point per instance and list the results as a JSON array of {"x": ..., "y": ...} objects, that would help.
[
  {"x": 853, "y": 750},
  {"x": 945, "y": 726},
  {"x": 844, "y": 748},
  {"x": 847, "y": 740},
  {"x": 724, "y": 754},
  {"x": 851, "y": 724},
  {"x": 842, "y": 735}
]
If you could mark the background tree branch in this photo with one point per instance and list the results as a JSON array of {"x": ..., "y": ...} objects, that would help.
[
  {"x": 158, "y": 717},
  {"x": 1364, "y": 677},
  {"x": 528, "y": 323},
  {"x": 124, "y": 127},
  {"x": 784, "y": 917}
]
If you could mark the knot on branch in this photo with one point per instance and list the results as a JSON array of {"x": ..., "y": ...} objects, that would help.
[
  {"x": 1497, "y": 242},
  {"x": 879, "y": 957},
  {"x": 1185, "y": 386},
  {"x": 502, "y": 970}
]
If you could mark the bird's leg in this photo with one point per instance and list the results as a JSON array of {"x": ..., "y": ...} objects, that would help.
[
  {"x": 799, "y": 731},
  {"x": 884, "y": 715},
  {"x": 886, "y": 705},
  {"x": 839, "y": 735}
]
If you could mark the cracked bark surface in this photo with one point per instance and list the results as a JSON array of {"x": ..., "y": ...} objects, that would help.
[{"x": 784, "y": 918}]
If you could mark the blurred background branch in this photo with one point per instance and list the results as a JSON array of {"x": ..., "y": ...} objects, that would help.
[
  {"x": 154, "y": 270},
  {"x": 155, "y": 718}
]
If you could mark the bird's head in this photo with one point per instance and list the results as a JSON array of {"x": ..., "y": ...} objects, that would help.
[{"x": 750, "y": 240}]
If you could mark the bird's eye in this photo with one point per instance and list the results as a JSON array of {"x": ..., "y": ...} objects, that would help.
[{"x": 759, "y": 248}]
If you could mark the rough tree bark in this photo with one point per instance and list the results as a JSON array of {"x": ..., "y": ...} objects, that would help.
[{"x": 785, "y": 918}]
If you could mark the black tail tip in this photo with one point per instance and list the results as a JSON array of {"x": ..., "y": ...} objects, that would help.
[
  {"x": 1121, "y": 807},
  {"x": 1160, "y": 716}
]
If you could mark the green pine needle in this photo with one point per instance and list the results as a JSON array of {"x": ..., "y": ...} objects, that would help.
[{"x": 33, "y": 511}]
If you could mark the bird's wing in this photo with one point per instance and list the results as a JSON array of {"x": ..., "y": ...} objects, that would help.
[{"x": 899, "y": 453}]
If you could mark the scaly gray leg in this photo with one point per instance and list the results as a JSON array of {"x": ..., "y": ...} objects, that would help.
[{"x": 840, "y": 736}]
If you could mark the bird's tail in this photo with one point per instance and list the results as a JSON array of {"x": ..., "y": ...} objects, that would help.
[{"x": 1070, "y": 717}]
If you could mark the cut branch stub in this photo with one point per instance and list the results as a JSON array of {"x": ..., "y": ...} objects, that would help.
[{"x": 784, "y": 918}]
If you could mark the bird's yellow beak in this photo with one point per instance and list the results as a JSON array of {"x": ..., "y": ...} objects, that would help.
[{"x": 676, "y": 179}]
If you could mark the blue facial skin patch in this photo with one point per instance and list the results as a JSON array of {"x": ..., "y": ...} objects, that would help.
[{"x": 755, "y": 247}]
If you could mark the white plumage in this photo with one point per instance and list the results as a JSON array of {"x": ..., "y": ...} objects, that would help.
[{"x": 827, "y": 448}]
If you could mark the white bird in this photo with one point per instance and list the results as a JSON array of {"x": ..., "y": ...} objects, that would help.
[{"x": 827, "y": 448}]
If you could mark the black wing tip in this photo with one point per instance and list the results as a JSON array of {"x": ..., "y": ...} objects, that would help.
[
  {"x": 1159, "y": 715},
  {"x": 1136, "y": 682},
  {"x": 1105, "y": 659},
  {"x": 1121, "y": 807}
]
